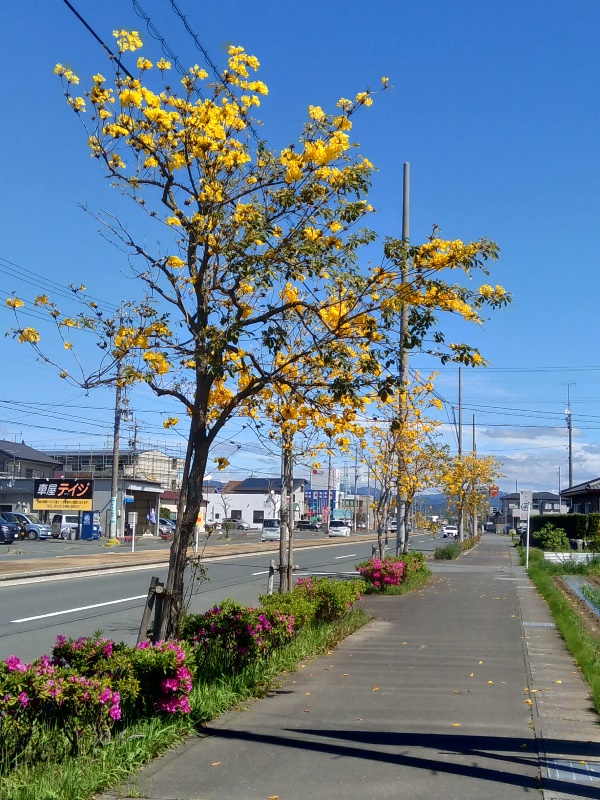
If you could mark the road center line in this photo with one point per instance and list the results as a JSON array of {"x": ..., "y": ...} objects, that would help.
[
  {"x": 81, "y": 608},
  {"x": 265, "y": 572},
  {"x": 350, "y": 555}
]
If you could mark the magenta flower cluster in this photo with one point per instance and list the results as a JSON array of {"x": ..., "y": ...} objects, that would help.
[
  {"x": 232, "y": 635},
  {"x": 382, "y": 572}
]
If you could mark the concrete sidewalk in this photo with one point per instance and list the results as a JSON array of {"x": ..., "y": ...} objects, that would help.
[{"x": 429, "y": 700}]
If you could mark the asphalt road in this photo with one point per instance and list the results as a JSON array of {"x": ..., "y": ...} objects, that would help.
[{"x": 35, "y": 611}]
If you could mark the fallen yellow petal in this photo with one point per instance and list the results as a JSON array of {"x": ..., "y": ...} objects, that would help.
[
  {"x": 404, "y": 642},
  {"x": 471, "y": 675},
  {"x": 528, "y": 702},
  {"x": 215, "y": 763},
  {"x": 306, "y": 693},
  {"x": 376, "y": 688},
  {"x": 344, "y": 674},
  {"x": 582, "y": 762},
  {"x": 523, "y": 747},
  {"x": 559, "y": 681},
  {"x": 481, "y": 662},
  {"x": 273, "y": 797},
  {"x": 455, "y": 724},
  {"x": 490, "y": 682}
]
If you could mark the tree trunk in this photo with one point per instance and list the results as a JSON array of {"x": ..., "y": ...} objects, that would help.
[{"x": 190, "y": 502}]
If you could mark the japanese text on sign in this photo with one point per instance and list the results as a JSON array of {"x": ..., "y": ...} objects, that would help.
[{"x": 63, "y": 494}]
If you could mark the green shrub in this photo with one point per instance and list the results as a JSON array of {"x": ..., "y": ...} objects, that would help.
[
  {"x": 552, "y": 539},
  {"x": 331, "y": 598},
  {"x": 293, "y": 604},
  {"x": 448, "y": 552}
]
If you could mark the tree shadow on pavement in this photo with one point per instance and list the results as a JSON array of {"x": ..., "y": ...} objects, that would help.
[{"x": 371, "y": 746}]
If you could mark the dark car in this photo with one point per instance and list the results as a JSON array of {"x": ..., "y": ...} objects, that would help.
[
  {"x": 34, "y": 527},
  {"x": 11, "y": 517},
  {"x": 307, "y": 525},
  {"x": 9, "y": 531}
]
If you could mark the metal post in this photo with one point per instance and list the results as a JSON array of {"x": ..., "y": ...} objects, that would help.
[
  {"x": 527, "y": 541},
  {"x": 403, "y": 355},
  {"x": 355, "y": 509}
]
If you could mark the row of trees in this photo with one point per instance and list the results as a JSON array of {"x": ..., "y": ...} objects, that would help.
[{"x": 254, "y": 297}]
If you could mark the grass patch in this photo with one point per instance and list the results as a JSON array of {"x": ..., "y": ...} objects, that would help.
[
  {"x": 448, "y": 552},
  {"x": 80, "y": 777},
  {"x": 584, "y": 647}
]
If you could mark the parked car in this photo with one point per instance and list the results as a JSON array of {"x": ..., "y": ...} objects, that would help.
[
  {"x": 34, "y": 527},
  {"x": 166, "y": 528},
  {"x": 339, "y": 527},
  {"x": 307, "y": 525},
  {"x": 449, "y": 532},
  {"x": 10, "y": 516},
  {"x": 65, "y": 526},
  {"x": 9, "y": 531},
  {"x": 236, "y": 524}
]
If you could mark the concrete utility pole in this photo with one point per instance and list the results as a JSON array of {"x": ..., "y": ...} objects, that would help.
[
  {"x": 401, "y": 532},
  {"x": 286, "y": 552},
  {"x": 569, "y": 421}
]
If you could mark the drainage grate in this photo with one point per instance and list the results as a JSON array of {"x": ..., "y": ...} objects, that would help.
[
  {"x": 540, "y": 624},
  {"x": 573, "y": 771}
]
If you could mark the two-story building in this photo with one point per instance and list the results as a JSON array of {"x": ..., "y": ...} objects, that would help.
[{"x": 252, "y": 500}]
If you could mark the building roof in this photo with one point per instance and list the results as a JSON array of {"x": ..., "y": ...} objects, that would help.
[
  {"x": 261, "y": 486},
  {"x": 582, "y": 488},
  {"x": 536, "y": 496},
  {"x": 22, "y": 451}
]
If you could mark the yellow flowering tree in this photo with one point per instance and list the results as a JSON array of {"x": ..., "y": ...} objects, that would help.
[
  {"x": 255, "y": 248},
  {"x": 466, "y": 480},
  {"x": 408, "y": 456}
]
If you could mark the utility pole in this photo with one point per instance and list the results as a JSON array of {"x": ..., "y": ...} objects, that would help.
[
  {"x": 401, "y": 533},
  {"x": 569, "y": 421},
  {"x": 286, "y": 555},
  {"x": 459, "y": 412},
  {"x": 329, "y": 503},
  {"x": 114, "y": 485},
  {"x": 355, "y": 508},
  {"x": 368, "y": 520}
]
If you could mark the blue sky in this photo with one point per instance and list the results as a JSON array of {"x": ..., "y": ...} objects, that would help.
[{"x": 495, "y": 107}]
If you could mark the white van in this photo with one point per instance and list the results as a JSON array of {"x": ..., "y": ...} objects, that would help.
[
  {"x": 271, "y": 530},
  {"x": 339, "y": 527}
]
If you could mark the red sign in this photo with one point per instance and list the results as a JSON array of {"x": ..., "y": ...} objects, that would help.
[{"x": 493, "y": 491}]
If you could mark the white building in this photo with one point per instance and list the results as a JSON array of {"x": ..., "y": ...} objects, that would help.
[{"x": 252, "y": 500}]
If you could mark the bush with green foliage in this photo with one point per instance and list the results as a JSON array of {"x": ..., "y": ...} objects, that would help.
[
  {"x": 330, "y": 598},
  {"x": 552, "y": 539},
  {"x": 447, "y": 552}
]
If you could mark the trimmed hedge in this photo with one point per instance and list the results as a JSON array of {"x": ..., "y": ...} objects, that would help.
[{"x": 574, "y": 525}]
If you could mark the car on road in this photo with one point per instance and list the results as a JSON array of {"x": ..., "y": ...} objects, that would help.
[
  {"x": 34, "y": 527},
  {"x": 449, "y": 532},
  {"x": 307, "y": 525},
  {"x": 235, "y": 524},
  {"x": 9, "y": 531},
  {"x": 271, "y": 535},
  {"x": 339, "y": 527}
]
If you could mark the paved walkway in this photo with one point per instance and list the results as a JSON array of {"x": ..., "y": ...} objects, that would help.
[{"x": 429, "y": 700}]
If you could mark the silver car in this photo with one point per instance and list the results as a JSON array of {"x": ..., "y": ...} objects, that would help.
[{"x": 34, "y": 527}]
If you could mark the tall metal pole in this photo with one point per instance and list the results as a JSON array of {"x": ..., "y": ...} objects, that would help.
[
  {"x": 114, "y": 485},
  {"x": 329, "y": 503},
  {"x": 401, "y": 534},
  {"x": 355, "y": 514},
  {"x": 459, "y": 412}
]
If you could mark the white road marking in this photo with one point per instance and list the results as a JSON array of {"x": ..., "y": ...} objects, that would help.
[
  {"x": 264, "y": 572},
  {"x": 81, "y": 608},
  {"x": 351, "y": 555}
]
